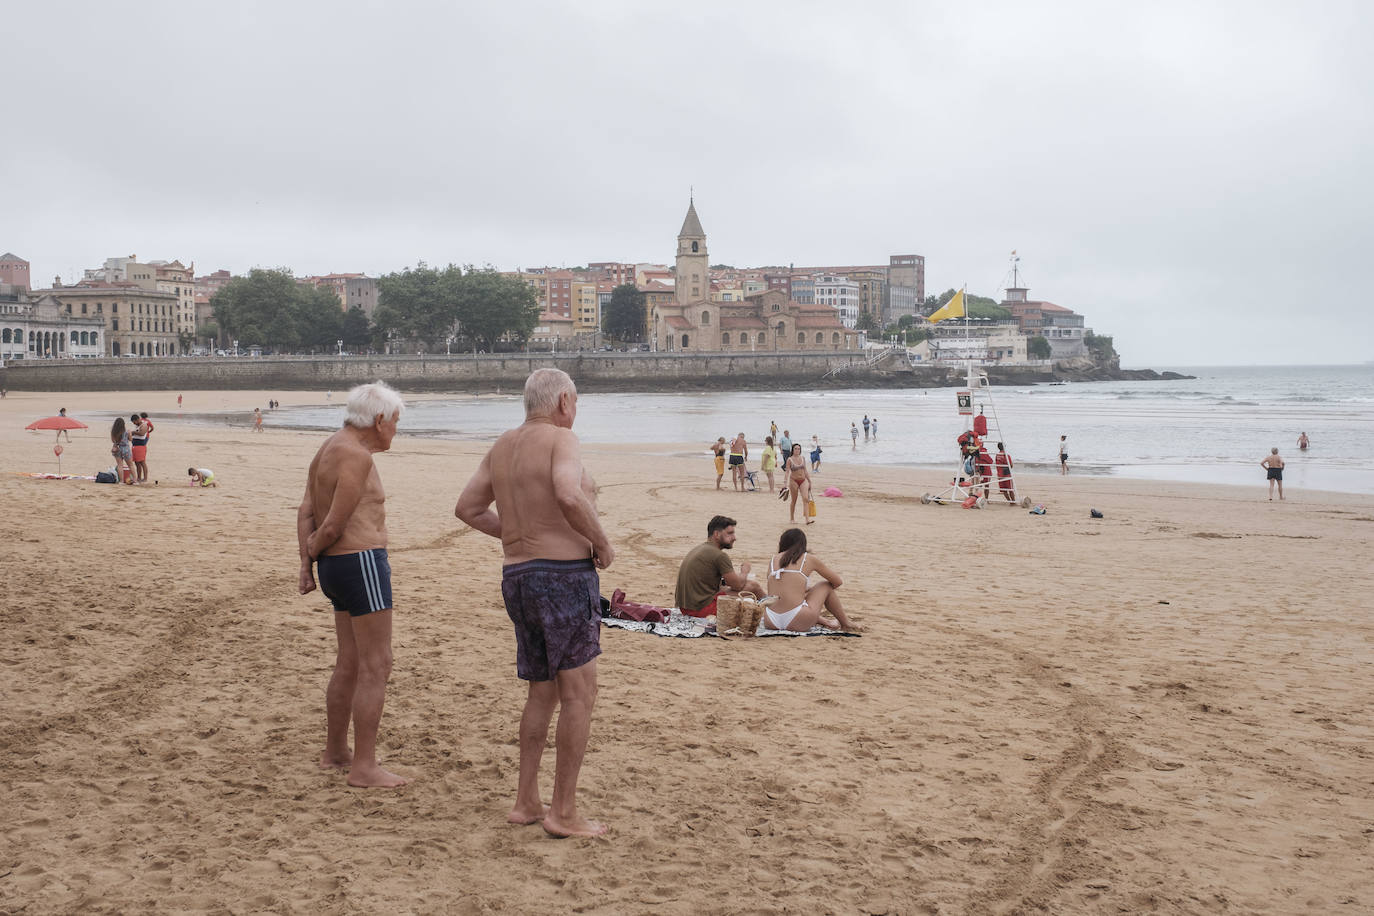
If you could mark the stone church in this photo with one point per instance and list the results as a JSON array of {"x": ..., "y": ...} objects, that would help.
[{"x": 764, "y": 321}]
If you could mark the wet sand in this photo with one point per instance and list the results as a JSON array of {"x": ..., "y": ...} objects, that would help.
[{"x": 1165, "y": 710}]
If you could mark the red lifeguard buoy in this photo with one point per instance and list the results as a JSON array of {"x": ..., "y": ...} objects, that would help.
[{"x": 980, "y": 425}]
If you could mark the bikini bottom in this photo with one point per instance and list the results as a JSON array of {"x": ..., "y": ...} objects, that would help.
[{"x": 784, "y": 620}]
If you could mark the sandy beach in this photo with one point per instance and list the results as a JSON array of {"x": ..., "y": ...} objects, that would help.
[{"x": 1164, "y": 710}]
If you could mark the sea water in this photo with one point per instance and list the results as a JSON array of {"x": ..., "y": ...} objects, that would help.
[{"x": 1214, "y": 428}]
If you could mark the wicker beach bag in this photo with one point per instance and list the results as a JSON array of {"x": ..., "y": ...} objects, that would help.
[
  {"x": 750, "y": 614},
  {"x": 727, "y": 615}
]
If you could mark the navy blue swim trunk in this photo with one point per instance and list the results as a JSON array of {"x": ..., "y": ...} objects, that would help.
[
  {"x": 359, "y": 583},
  {"x": 556, "y": 608}
]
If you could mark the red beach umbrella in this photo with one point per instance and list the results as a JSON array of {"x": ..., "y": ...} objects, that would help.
[{"x": 56, "y": 423}]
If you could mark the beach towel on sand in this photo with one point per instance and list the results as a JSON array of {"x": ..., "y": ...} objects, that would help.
[{"x": 691, "y": 627}]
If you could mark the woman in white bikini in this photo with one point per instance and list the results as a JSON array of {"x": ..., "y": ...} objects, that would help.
[
  {"x": 799, "y": 603},
  {"x": 798, "y": 483}
]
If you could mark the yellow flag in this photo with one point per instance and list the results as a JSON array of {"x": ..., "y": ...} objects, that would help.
[{"x": 954, "y": 308}]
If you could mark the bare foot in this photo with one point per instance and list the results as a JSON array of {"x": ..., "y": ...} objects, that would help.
[
  {"x": 524, "y": 818},
  {"x": 374, "y": 777},
  {"x": 329, "y": 761},
  {"x": 578, "y": 827}
]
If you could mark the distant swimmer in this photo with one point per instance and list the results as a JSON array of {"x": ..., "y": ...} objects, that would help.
[
  {"x": 1302, "y": 441},
  {"x": 1274, "y": 464}
]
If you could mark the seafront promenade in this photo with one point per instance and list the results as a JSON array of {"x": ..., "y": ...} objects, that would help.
[{"x": 592, "y": 370}]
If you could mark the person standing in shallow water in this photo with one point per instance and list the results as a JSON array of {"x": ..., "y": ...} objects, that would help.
[
  {"x": 1302, "y": 442},
  {"x": 1273, "y": 464},
  {"x": 341, "y": 528},
  {"x": 553, "y": 544}
]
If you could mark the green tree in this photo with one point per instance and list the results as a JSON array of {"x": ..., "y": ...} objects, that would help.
[
  {"x": 356, "y": 331},
  {"x": 1038, "y": 347},
  {"x": 492, "y": 305},
  {"x": 266, "y": 308},
  {"x": 1100, "y": 346},
  {"x": 623, "y": 319},
  {"x": 319, "y": 319},
  {"x": 418, "y": 304},
  {"x": 866, "y": 321}
]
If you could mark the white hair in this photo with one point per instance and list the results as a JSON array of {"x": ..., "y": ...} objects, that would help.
[
  {"x": 542, "y": 390},
  {"x": 367, "y": 401}
]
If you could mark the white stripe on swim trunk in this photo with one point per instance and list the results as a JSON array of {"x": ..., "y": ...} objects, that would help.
[{"x": 368, "y": 564}]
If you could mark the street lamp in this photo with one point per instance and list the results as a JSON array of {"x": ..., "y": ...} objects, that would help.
[
  {"x": 236, "y": 348},
  {"x": 340, "y": 343}
]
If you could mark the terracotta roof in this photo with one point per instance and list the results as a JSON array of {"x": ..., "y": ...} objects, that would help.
[{"x": 678, "y": 323}]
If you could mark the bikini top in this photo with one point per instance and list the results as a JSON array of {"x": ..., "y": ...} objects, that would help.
[{"x": 777, "y": 573}]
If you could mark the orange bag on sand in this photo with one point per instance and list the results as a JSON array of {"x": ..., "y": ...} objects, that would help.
[{"x": 810, "y": 508}]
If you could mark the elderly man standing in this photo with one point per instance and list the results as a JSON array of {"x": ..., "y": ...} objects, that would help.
[
  {"x": 341, "y": 525},
  {"x": 553, "y": 543}
]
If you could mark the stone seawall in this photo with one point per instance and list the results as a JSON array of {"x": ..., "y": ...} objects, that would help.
[
  {"x": 475, "y": 374},
  {"x": 591, "y": 371}
]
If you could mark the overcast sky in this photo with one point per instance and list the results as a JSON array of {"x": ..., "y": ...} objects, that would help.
[{"x": 1193, "y": 177}]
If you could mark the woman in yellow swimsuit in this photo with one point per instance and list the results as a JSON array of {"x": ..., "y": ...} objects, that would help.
[
  {"x": 769, "y": 462},
  {"x": 719, "y": 449},
  {"x": 789, "y": 577}
]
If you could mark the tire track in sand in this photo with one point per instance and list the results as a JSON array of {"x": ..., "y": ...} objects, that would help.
[{"x": 1043, "y": 854}]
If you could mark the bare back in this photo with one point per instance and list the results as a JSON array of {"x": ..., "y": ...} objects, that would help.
[
  {"x": 525, "y": 465},
  {"x": 345, "y": 489}
]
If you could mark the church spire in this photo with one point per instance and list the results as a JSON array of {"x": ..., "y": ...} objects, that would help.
[{"x": 691, "y": 226}]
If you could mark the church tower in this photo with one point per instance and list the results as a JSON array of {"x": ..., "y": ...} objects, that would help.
[{"x": 693, "y": 275}]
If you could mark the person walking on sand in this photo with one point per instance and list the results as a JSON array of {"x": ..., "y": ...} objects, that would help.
[
  {"x": 341, "y": 528},
  {"x": 798, "y": 483},
  {"x": 553, "y": 544},
  {"x": 257, "y": 419},
  {"x": 785, "y": 445},
  {"x": 815, "y": 453},
  {"x": 1273, "y": 464},
  {"x": 800, "y": 604},
  {"x": 718, "y": 449},
  {"x": 739, "y": 452},
  {"x": 62, "y": 412},
  {"x": 1302, "y": 442},
  {"x": 769, "y": 462},
  {"x": 1063, "y": 455},
  {"x": 178, "y": 402}
]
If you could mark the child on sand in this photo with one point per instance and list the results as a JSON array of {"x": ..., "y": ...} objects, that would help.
[{"x": 203, "y": 476}]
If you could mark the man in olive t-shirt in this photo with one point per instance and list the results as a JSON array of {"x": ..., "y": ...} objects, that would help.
[{"x": 707, "y": 571}]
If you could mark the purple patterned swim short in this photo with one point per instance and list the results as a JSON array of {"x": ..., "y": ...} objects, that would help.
[{"x": 556, "y": 608}]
